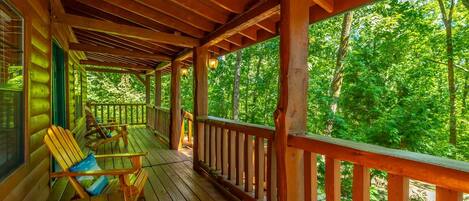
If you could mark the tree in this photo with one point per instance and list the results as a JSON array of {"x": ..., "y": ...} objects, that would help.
[
  {"x": 237, "y": 75},
  {"x": 447, "y": 18},
  {"x": 336, "y": 83}
]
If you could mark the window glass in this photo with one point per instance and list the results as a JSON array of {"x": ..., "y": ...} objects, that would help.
[{"x": 11, "y": 90}]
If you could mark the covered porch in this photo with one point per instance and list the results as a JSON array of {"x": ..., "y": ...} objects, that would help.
[{"x": 192, "y": 155}]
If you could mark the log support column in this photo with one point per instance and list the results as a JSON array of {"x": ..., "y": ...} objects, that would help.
[
  {"x": 147, "y": 98},
  {"x": 158, "y": 88},
  {"x": 290, "y": 116},
  {"x": 175, "y": 105},
  {"x": 200, "y": 56}
]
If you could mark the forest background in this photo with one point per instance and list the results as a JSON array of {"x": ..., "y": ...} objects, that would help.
[{"x": 393, "y": 74}]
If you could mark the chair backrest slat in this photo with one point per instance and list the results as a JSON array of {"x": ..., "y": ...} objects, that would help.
[{"x": 63, "y": 147}]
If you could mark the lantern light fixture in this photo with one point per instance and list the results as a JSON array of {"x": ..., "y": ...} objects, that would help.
[
  {"x": 184, "y": 71},
  {"x": 213, "y": 62}
]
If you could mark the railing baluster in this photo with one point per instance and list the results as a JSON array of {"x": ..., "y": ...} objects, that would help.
[
  {"x": 259, "y": 167},
  {"x": 361, "y": 183},
  {"x": 224, "y": 158},
  {"x": 239, "y": 158},
  {"x": 332, "y": 179},
  {"x": 248, "y": 163},
  {"x": 232, "y": 155},
  {"x": 102, "y": 114},
  {"x": 271, "y": 172},
  {"x": 189, "y": 132},
  {"x": 212, "y": 147},
  {"x": 120, "y": 115},
  {"x": 218, "y": 145},
  {"x": 207, "y": 144},
  {"x": 398, "y": 188},
  {"x": 310, "y": 175},
  {"x": 107, "y": 116}
]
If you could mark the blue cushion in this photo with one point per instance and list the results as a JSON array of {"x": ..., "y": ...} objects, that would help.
[{"x": 93, "y": 185}]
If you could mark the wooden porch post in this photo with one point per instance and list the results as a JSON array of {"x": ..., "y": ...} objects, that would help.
[
  {"x": 175, "y": 105},
  {"x": 158, "y": 88},
  {"x": 147, "y": 97},
  {"x": 290, "y": 116},
  {"x": 200, "y": 56}
]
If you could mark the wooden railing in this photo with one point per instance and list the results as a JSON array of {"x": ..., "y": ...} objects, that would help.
[
  {"x": 159, "y": 121},
  {"x": 242, "y": 158},
  {"x": 186, "y": 128},
  {"x": 122, "y": 113},
  {"x": 450, "y": 177},
  {"x": 239, "y": 156}
]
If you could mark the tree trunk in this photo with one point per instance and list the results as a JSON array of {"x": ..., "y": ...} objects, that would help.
[
  {"x": 254, "y": 98},
  {"x": 447, "y": 21},
  {"x": 336, "y": 83},
  {"x": 236, "y": 85}
]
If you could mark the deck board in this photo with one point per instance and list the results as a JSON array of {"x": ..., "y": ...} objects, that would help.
[{"x": 171, "y": 177}]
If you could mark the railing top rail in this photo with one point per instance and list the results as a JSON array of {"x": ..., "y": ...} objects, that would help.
[
  {"x": 247, "y": 128},
  {"x": 117, "y": 104},
  {"x": 443, "y": 172}
]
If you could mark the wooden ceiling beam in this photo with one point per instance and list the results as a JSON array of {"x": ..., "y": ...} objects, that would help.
[
  {"x": 112, "y": 71},
  {"x": 147, "y": 12},
  {"x": 124, "y": 14},
  {"x": 203, "y": 10},
  {"x": 327, "y": 5},
  {"x": 180, "y": 13},
  {"x": 184, "y": 55},
  {"x": 318, "y": 13},
  {"x": 236, "y": 39},
  {"x": 118, "y": 52},
  {"x": 124, "y": 30},
  {"x": 242, "y": 22},
  {"x": 163, "y": 66},
  {"x": 114, "y": 64},
  {"x": 237, "y": 6},
  {"x": 250, "y": 32}
]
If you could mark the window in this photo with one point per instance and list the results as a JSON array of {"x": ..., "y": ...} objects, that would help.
[{"x": 11, "y": 90}]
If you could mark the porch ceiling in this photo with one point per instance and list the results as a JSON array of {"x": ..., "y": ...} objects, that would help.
[{"x": 153, "y": 32}]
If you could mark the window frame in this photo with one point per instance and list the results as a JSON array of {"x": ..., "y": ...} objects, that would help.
[{"x": 25, "y": 40}]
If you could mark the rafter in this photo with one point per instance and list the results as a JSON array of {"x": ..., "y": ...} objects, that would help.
[
  {"x": 327, "y": 5},
  {"x": 203, "y": 10},
  {"x": 115, "y": 64},
  {"x": 145, "y": 11},
  {"x": 237, "y": 6},
  {"x": 243, "y": 21},
  {"x": 124, "y": 30},
  {"x": 119, "y": 52},
  {"x": 317, "y": 13},
  {"x": 180, "y": 13},
  {"x": 112, "y": 71}
]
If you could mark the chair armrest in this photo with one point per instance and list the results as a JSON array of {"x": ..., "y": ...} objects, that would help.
[
  {"x": 112, "y": 125},
  {"x": 127, "y": 155},
  {"x": 135, "y": 158},
  {"x": 112, "y": 172}
]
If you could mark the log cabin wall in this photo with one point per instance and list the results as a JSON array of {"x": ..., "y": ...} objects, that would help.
[{"x": 31, "y": 180}]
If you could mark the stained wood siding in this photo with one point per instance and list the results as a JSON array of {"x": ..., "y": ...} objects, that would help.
[{"x": 31, "y": 180}]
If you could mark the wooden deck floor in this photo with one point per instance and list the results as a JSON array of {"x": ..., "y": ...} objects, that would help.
[{"x": 171, "y": 177}]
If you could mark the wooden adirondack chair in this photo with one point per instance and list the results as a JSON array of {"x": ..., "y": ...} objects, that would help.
[
  {"x": 93, "y": 127},
  {"x": 129, "y": 182}
]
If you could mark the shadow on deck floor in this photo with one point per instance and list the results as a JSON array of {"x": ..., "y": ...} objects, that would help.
[{"x": 171, "y": 176}]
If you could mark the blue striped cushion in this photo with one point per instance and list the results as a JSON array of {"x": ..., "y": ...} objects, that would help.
[{"x": 93, "y": 185}]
